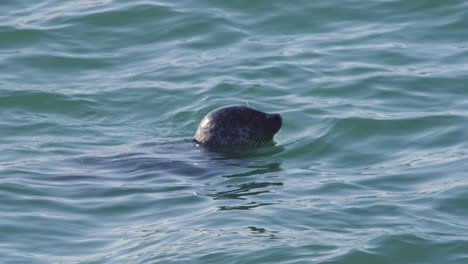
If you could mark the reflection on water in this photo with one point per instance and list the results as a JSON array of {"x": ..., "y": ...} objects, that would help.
[
  {"x": 246, "y": 189},
  {"x": 246, "y": 192}
]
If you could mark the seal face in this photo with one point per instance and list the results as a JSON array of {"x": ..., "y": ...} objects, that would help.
[{"x": 237, "y": 125}]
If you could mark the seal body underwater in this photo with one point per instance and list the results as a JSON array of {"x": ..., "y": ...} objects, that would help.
[{"x": 237, "y": 125}]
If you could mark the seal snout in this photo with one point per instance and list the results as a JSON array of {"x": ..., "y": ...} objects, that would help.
[
  {"x": 276, "y": 122},
  {"x": 277, "y": 117}
]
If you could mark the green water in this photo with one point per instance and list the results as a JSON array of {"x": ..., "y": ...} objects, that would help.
[{"x": 99, "y": 101}]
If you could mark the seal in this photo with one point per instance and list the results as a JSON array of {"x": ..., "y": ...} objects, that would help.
[{"x": 237, "y": 125}]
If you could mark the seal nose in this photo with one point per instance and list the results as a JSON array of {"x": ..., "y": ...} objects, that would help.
[{"x": 277, "y": 117}]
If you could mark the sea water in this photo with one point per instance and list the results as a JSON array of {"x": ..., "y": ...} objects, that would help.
[{"x": 99, "y": 101}]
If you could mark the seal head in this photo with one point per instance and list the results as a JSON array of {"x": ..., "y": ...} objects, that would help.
[{"x": 237, "y": 125}]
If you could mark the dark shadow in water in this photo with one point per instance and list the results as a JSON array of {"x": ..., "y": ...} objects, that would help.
[
  {"x": 159, "y": 162},
  {"x": 262, "y": 232},
  {"x": 257, "y": 169},
  {"x": 247, "y": 189},
  {"x": 151, "y": 159},
  {"x": 249, "y": 193},
  {"x": 145, "y": 161},
  {"x": 247, "y": 206},
  {"x": 246, "y": 162},
  {"x": 243, "y": 152}
]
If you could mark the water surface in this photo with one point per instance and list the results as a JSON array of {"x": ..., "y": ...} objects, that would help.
[{"x": 99, "y": 101}]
